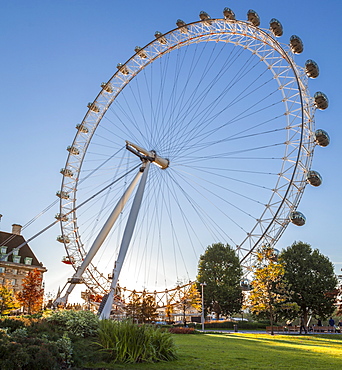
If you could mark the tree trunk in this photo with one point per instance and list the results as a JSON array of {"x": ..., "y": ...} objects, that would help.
[{"x": 271, "y": 321}]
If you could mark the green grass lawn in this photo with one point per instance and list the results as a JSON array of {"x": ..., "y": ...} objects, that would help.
[{"x": 250, "y": 351}]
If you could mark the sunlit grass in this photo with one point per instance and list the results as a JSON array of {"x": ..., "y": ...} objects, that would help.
[{"x": 252, "y": 351}]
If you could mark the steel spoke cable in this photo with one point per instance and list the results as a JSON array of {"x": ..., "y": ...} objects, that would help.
[
  {"x": 230, "y": 122},
  {"x": 199, "y": 98},
  {"x": 194, "y": 184},
  {"x": 224, "y": 92},
  {"x": 200, "y": 212}
]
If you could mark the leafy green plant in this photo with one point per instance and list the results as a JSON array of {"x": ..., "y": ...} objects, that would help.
[
  {"x": 64, "y": 346},
  {"x": 79, "y": 323},
  {"x": 130, "y": 343}
]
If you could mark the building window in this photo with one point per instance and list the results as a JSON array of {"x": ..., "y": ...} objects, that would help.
[
  {"x": 13, "y": 281},
  {"x": 14, "y": 271},
  {"x": 16, "y": 259},
  {"x": 3, "y": 257},
  {"x": 3, "y": 250},
  {"x": 15, "y": 252},
  {"x": 28, "y": 260},
  {"x": 2, "y": 280},
  {"x": 2, "y": 270}
]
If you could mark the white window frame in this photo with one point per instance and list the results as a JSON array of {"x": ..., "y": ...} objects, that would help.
[{"x": 28, "y": 260}]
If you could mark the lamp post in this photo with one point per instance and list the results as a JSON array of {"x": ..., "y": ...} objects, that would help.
[{"x": 202, "y": 317}]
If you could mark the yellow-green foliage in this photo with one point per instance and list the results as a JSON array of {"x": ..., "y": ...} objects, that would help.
[{"x": 8, "y": 301}]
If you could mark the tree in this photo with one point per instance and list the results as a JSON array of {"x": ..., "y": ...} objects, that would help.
[
  {"x": 32, "y": 294},
  {"x": 148, "y": 309},
  {"x": 133, "y": 306},
  {"x": 142, "y": 308},
  {"x": 220, "y": 269},
  {"x": 310, "y": 279},
  {"x": 169, "y": 310},
  {"x": 191, "y": 299},
  {"x": 268, "y": 295},
  {"x": 8, "y": 301}
]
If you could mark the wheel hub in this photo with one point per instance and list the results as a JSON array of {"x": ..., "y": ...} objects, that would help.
[{"x": 149, "y": 155}]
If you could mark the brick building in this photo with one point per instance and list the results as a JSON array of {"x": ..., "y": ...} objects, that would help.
[{"x": 16, "y": 266}]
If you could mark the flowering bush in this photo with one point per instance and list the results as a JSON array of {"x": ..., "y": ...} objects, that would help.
[{"x": 182, "y": 330}]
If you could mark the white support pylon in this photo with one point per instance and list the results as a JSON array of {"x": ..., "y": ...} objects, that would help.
[
  {"x": 126, "y": 239},
  {"x": 99, "y": 239}
]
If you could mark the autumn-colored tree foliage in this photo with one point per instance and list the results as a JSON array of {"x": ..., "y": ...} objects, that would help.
[
  {"x": 7, "y": 300},
  {"x": 191, "y": 299},
  {"x": 142, "y": 308},
  {"x": 268, "y": 294},
  {"x": 31, "y": 296}
]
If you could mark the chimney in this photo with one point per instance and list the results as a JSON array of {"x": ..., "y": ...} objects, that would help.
[{"x": 16, "y": 229}]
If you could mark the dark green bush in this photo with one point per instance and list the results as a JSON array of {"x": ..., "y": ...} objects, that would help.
[
  {"x": 11, "y": 324},
  {"x": 26, "y": 353},
  {"x": 229, "y": 325}
]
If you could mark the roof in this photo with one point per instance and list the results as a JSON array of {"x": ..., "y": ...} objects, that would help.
[{"x": 11, "y": 241}]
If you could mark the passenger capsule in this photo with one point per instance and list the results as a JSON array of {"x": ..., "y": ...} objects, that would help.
[
  {"x": 63, "y": 239},
  {"x": 322, "y": 138},
  {"x": 82, "y": 128},
  {"x": 182, "y": 26},
  {"x": 296, "y": 44},
  {"x": 311, "y": 69},
  {"x": 274, "y": 255},
  {"x": 140, "y": 52},
  {"x": 245, "y": 285},
  {"x": 93, "y": 107},
  {"x": 66, "y": 172},
  {"x": 61, "y": 217},
  {"x": 321, "y": 100},
  {"x": 62, "y": 194},
  {"x": 68, "y": 260},
  {"x": 204, "y": 16},
  {"x": 297, "y": 218},
  {"x": 73, "y": 150},
  {"x": 314, "y": 178},
  {"x": 159, "y": 36},
  {"x": 229, "y": 14},
  {"x": 122, "y": 68},
  {"x": 107, "y": 87},
  {"x": 253, "y": 17},
  {"x": 276, "y": 27}
]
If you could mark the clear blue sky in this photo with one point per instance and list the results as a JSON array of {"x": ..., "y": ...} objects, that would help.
[{"x": 54, "y": 56}]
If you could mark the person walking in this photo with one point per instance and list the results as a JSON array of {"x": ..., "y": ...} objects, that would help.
[{"x": 302, "y": 326}]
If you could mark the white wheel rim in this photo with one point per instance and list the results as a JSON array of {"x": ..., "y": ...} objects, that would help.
[{"x": 297, "y": 154}]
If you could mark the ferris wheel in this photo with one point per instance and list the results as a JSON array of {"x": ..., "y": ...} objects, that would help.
[{"x": 204, "y": 135}]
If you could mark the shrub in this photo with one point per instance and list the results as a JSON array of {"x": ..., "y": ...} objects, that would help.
[
  {"x": 65, "y": 349},
  {"x": 130, "y": 343},
  {"x": 79, "y": 323},
  {"x": 19, "y": 352},
  {"x": 182, "y": 330},
  {"x": 12, "y": 324}
]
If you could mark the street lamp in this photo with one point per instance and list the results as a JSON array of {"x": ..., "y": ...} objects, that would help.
[{"x": 202, "y": 317}]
